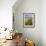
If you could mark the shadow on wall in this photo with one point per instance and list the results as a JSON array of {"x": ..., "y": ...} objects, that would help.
[{"x": 28, "y": 6}]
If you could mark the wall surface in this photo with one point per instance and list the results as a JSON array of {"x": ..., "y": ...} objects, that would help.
[
  {"x": 28, "y": 6},
  {"x": 43, "y": 22}
]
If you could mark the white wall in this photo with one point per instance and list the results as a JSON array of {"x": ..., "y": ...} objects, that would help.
[
  {"x": 6, "y": 13},
  {"x": 43, "y": 22},
  {"x": 29, "y": 6}
]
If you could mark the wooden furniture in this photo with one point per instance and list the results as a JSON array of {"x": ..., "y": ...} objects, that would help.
[
  {"x": 18, "y": 39},
  {"x": 29, "y": 43}
]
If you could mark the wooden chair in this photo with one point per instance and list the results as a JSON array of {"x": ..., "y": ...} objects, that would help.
[
  {"x": 18, "y": 39},
  {"x": 29, "y": 43}
]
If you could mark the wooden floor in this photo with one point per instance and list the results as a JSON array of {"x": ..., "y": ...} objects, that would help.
[{"x": 9, "y": 43}]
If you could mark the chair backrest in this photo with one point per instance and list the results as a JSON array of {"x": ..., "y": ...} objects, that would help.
[
  {"x": 18, "y": 37},
  {"x": 29, "y": 43}
]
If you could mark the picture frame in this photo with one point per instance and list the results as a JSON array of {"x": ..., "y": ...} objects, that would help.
[{"x": 28, "y": 20}]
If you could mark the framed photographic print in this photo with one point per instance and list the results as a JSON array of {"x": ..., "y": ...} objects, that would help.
[{"x": 29, "y": 20}]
